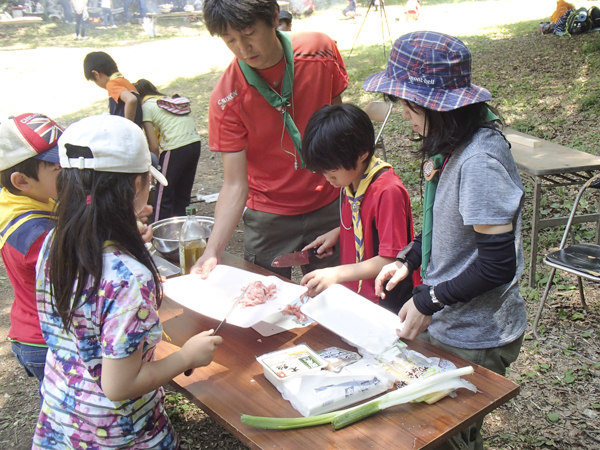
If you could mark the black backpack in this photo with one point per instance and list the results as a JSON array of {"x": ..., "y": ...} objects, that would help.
[{"x": 579, "y": 21}]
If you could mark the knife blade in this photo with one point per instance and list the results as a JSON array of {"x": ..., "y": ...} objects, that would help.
[
  {"x": 190, "y": 371},
  {"x": 232, "y": 308},
  {"x": 295, "y": 259}
]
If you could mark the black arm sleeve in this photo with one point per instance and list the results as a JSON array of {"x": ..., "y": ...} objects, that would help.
[
  {"x": 413, "y": 257},
  {"x": 496, "y": 264}
]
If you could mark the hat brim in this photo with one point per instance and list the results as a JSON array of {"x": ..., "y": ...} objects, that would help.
[
  {"x": 430, "y": 98},
  {"x": 51, "y": 155},
  {"x": 158, "y": 176}
]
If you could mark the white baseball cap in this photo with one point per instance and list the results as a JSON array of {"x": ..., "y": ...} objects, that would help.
[{"x": 107, "y": 143}]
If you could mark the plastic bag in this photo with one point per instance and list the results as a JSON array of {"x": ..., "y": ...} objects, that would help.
[{"x": 329, "y": 391}]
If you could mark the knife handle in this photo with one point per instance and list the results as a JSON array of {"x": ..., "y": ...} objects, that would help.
[
  {"x": 313, "y": 250},
  {"x": 188, "y": 372}
]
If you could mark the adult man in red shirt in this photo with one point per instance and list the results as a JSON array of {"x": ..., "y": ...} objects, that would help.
[{"x": 257, "y": 113}]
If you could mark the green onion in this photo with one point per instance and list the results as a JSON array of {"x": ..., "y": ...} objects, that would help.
[
  {"x": 280, "y": 423},
  {"x": 414, "y": 391}
]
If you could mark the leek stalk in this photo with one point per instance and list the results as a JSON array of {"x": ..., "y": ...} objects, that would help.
[{"x": 345, "y": 417}]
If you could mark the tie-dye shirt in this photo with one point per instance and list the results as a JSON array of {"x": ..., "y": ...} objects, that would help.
[{"x": 121, "y": 317}]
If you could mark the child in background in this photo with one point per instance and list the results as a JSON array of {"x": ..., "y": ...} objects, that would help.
[
  {"x": 29, "y": 166},
  {"x": 180, "y": 145},
  {"x": 107, "y": 12},
  {"x": 375, "y": 215},
  {"x": 124, "y": 99},
  {"x": 98, "y": 292},
  {"x": 285, "y": 20},
  {"x": 80, "y": 7}
]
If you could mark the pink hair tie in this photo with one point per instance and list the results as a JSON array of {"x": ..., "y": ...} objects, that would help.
[{"x": 88, "y": 199}]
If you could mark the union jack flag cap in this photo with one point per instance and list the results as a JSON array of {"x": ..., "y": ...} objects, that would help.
[
  {"x": 430, "y": 69},
  {"x": 27, "y": 136}
]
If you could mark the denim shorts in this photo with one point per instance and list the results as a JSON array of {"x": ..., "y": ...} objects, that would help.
[{"x": 32, "y": 358}]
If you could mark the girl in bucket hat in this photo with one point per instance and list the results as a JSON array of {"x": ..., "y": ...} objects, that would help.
[
  {"x": 469, "y": 252},
  {"x": 98, "y": 293}
]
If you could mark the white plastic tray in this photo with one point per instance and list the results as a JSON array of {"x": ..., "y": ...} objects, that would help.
[
  {"x": 214, "y": 296},
  {"x": 360, "y": 322}
]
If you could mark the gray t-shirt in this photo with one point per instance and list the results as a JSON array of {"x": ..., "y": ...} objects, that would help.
[{"x": 480, "y": 185}]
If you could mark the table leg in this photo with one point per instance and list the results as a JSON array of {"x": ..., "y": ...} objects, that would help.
[
  {"x": 598, "y": 224},
  {"x": 37, "y": 33},
  {"x": 535, "y": 224}
]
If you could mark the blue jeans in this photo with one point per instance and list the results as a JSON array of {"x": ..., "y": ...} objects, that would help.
[
  {"x": 32, "y": 358},
  {"x": 142, "y": 5},
  {"x": 108, "y": 12},
  {"x": 126, "y": 4}
]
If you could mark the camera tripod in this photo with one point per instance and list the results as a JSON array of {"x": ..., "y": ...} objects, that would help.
[{"x": 383, "y": 16}]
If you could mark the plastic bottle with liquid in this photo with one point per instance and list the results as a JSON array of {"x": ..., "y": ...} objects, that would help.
[{"x": 192, "y": 241}]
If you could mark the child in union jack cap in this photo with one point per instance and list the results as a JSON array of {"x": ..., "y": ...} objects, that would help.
[{"x": 29, "y": 165}]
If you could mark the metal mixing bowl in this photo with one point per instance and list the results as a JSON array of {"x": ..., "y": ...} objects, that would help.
[{"x": 166, "y": 234}]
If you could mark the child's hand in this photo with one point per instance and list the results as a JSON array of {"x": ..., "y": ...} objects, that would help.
[
  {"x": 199, "y": 350},
  {"x": 144, "y": 213},
  {"x": 145, "y": 230},
  {"x": 319, "y": 280},
  {"x": 395, "y": 272},
  {"x": 414, "y": 322},
  {"x": 325, "y": 243}
]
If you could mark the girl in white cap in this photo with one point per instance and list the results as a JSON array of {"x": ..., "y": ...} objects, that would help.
[
  {"x": 98, "y": 292},
  {"x": 469, "y": 252}
]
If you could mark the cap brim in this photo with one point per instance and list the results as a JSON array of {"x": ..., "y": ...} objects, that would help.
[
  {"x": 50, "y": 155},
  {"x": 431, "y": 98},
  {"x": 158, "y": 176}
]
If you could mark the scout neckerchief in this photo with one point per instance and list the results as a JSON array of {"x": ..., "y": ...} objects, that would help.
[
  {"x": 148, "y": 97},
  {"x": 355, "y": 200},
  {"x": 280, "y": 102},
  {"x": 15, "y": 210},
  {"x": 115, "y": 75},
  {"x": 431, "y": 171}
]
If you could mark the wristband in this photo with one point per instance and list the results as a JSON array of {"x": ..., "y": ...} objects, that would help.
[
  {"x": 434, "y": 299},
  {"x": 424, "y": 302}
]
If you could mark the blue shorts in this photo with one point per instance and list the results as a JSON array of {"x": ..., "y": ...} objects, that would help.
[{"x": 32, "y": 358}]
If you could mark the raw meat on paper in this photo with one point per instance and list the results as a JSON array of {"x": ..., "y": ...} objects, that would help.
[
  {"x": 258, "y": 293},
  {"x": 293, "y": 309}
]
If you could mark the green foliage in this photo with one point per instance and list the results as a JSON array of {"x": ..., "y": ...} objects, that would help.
[
  {"x": 58, "y": 34},
  {"x": 568, "y": 377}
]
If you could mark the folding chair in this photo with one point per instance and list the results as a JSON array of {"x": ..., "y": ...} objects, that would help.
[
  {"x": 379, "y": 112},
  {"x": 582, "y": 260}
]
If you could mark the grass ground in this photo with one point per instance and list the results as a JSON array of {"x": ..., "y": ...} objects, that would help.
[{"x": 547, "y": 86}]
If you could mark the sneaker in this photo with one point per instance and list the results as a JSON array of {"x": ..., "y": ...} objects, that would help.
[
  {"x": 83, "y": 38},
  {"x": 113, "y": 26},
  {"x": 76, "y": 37}
]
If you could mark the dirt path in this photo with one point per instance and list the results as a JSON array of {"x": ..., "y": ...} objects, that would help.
[{"x": 50, "y": 80}]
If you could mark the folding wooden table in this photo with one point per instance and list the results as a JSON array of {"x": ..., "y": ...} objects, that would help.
[
  {"x": 550, "y": 165},
  {"x": 234, "y": 383}
]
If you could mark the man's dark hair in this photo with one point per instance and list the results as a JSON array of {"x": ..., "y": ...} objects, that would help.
[
  {"x": 29, "y": 168},
  {"x": 100, "y": 62},
  {"x": 237, "y": 14},
  {"x": 335, "y": 138}
]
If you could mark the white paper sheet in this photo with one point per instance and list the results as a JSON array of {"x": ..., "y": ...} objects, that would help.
[
  {"x": 360, "y": 322},
  {"x": 214, "y": 296}
]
